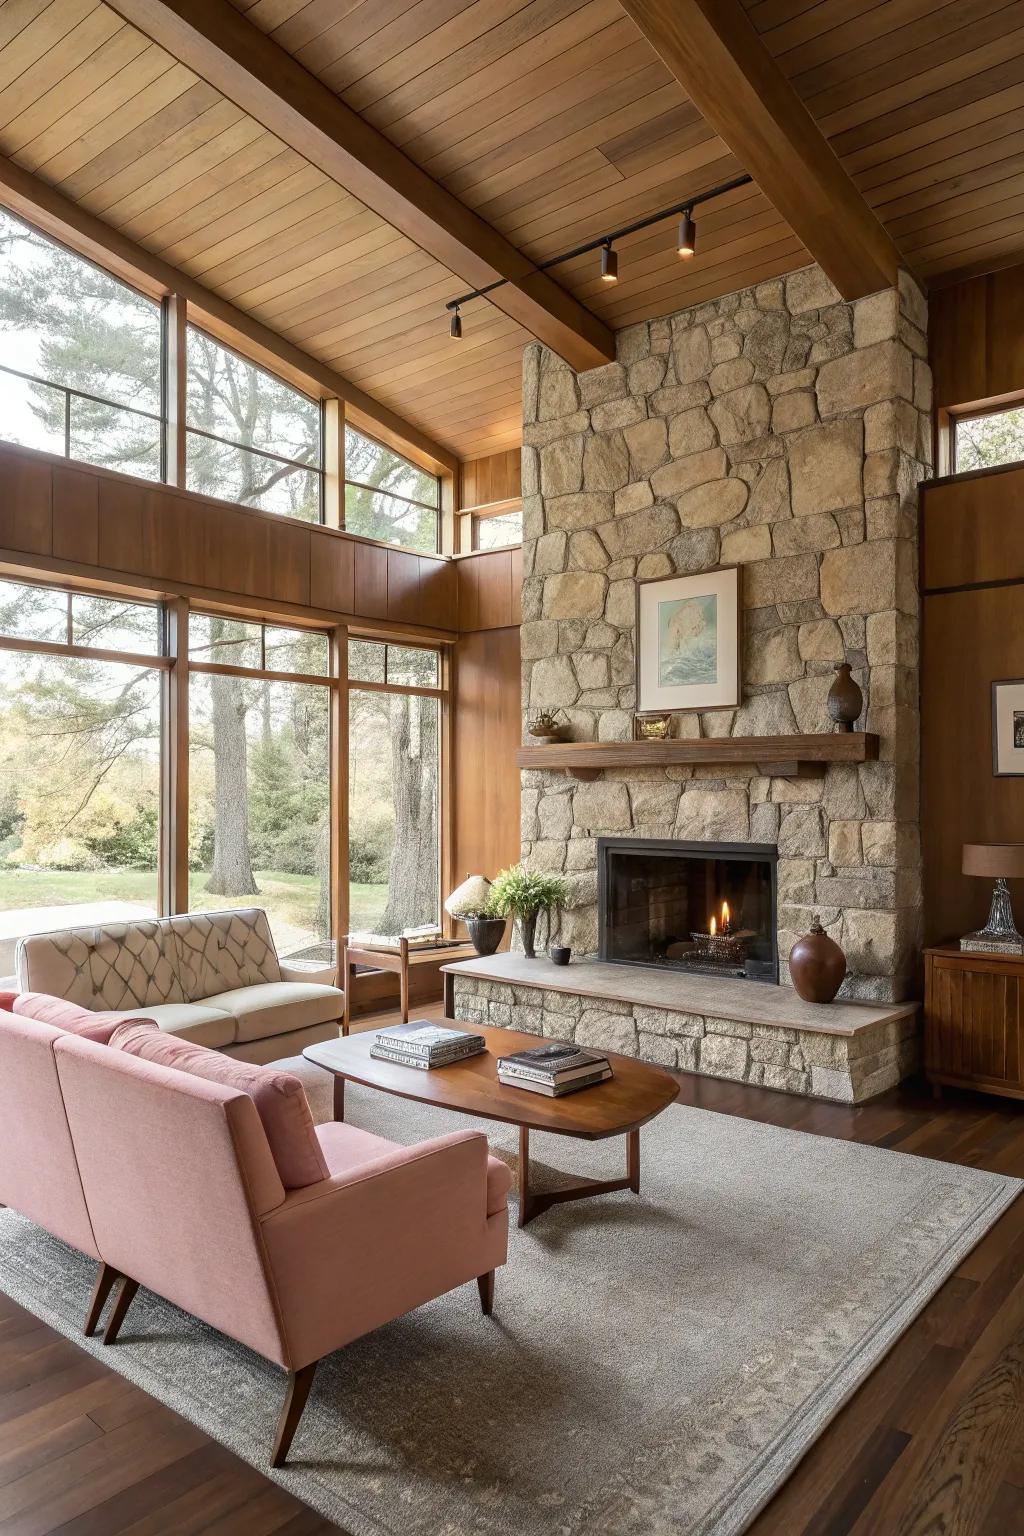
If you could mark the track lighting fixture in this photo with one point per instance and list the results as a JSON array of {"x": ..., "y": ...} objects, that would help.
[{"x": 686, "y": 245}]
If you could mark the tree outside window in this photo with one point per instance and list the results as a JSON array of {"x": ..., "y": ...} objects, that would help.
[{"x": 989, "y": 440}]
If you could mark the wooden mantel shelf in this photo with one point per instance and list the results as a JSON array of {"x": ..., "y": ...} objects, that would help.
[{"x": 775, "y": 756}]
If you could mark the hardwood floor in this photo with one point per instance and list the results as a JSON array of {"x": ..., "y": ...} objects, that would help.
[{"x": 931, "y": 1445}]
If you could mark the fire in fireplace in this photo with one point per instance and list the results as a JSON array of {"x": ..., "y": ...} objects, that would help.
[{"x": 694, "y": 907}]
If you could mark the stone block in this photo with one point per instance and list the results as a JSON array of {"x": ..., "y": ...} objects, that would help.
[
  {"x": 875, "y": 318},
  {"x": 772, "y": 656},
  {"x": 793, "y": 411},
  {"x": 722, "y": 1056},
  {"x": 602, "y": 805},
  {"x": 800, "y": 534},
  {"x": 708, "y": 815},
  {"x": 553, "y": 683},
  {"x": 617, "y": 413},
  {"x": 587, "y": 552},
  {"x": 575, "y": 594},
  {"x": 691, "y": 354},
  {"x": 769, "y": 495},
  {"x": 600, "y": 384},
  {"x": 605, "y": 462},
  {"x": 859, "y": 579},
  {"x": 694, "y": 469},
  {"x": 711, "y": 505},
  {"x": 561, "y": 466},
  {"x": 844, "y": 842},
  {"x": 777, "y": 581},
  {"x": 640, "y": 532},
  {"x": 647, "y": 443},
  {"x": 741, "y": 415},
  {"x": 864, "y": 377},
  {"x": 554, "y": 815},
  {"x": 821, "y": 641},
  {"x": 807, "y": 696},
  {"x": 809, "y": 289},
  {"x": 730, "y": 374},
  {"x": 654, "y": 803},
  {"x": 825, "y": 467},
  {"x": 802, "y": 833},
  {"x": 559, "y": 393},
  {"x": 690, "y": 432},
  {"x": 581, "y": 510},
  {"x": 607, "y": 1031},
  {"x": 646, "y": 376},
  {"x": 747, "y": 544}
]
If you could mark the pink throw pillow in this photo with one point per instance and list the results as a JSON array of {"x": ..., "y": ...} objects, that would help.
[
  {"x": 280, "y": 1098},
  {"x": 61, "y": 1014}
]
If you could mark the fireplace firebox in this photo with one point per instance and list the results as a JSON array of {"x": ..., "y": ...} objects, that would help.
[{"x": 708, "y": 908}]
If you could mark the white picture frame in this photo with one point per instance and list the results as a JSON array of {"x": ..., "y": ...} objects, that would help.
[{"x": 688, "y": 646}]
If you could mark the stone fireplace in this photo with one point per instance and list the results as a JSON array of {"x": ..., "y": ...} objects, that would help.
[
  {"x": 785, "y": 431},
  {"x": 700, "y": 909}
]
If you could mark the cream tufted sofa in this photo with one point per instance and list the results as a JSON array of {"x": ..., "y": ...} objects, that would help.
[{"x": 211, "y": 977}]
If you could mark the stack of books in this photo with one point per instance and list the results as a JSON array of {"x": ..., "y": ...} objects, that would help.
[
  {"x": 555, "y": 1068},
  {"x": 422, "y": 1044}
]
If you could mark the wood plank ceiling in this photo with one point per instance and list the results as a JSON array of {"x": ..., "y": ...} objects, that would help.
[{"x": 553, "y": 119}]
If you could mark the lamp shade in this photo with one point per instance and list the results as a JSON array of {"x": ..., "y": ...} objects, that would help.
[{"x": 995, "y": 860}]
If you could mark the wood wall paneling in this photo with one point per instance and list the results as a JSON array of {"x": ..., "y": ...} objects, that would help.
[
  {"x": 973, "y": 529},
  {"x": 970, "y": 639},
  {"x": 165, "y": 538},
  {"x": 496, "y": 477},
  {"x": 976, "y": 335},
  {"x": 489, "y": 586},
  {"x": 487, "y": 732}
]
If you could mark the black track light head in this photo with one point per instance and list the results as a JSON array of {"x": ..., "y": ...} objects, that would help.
[
  {"x": 609, "y": 263},
  {"x": 686, "y": 244},
  {"x": 455, "y": 328}
]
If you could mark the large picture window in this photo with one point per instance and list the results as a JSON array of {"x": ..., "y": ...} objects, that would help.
[
  {"x": 80, "y": 357},
  {"x": 249, "y": 437},
  {"x": 395, "y": 703},
  {"x": 259, "y": 775},
  {"x": 387, "y": 497},
  {"x": 80, "y": 741}
]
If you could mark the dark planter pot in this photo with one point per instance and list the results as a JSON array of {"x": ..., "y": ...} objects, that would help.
[
  {"x": 485, "y": 933},
  {"x": 817, "y": 965},
  {"x": 560, "y": 954}
]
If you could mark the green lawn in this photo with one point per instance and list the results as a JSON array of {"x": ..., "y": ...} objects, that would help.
[{"x": 290, "y": 900}]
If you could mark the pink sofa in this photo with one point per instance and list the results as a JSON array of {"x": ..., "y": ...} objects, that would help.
[{"x": 171, "y": 1180}]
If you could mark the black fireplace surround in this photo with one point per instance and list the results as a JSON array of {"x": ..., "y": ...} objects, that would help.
[{"x": 657, "y": 899}]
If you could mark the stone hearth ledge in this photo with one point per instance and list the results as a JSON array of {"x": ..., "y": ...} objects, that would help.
[{"x": 745, "y": 1031}]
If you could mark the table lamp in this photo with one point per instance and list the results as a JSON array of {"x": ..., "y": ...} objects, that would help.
[{"x": 999, "y": 862}]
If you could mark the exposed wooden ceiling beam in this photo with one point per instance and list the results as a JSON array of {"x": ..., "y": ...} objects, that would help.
[
  {"x": 217, "y": 42},
  {"x": 716, "y": 55},
  {"x": 57, "y": 215}
]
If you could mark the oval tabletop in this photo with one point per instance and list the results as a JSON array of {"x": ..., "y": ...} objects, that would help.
[{"x": 635, "y": 1094}]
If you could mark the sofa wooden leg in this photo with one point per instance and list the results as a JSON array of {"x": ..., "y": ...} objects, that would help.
[
  {"x": 125, "y": 1297},
  {"x": 299, "y": 1383},
  {"x": 485, "y": 1285},
  {"x": 106, "y": 1278}
]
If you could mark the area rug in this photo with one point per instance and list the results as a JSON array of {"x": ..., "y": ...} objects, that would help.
[{"x": 655, "y": 1364}]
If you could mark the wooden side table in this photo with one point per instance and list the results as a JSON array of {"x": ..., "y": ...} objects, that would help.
[
  {"x": 395, "y": 960},
  {"x": 974, "y": 1020}
]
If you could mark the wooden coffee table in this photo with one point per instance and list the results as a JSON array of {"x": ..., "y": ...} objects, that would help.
[{"x": 619, "y": 1107}]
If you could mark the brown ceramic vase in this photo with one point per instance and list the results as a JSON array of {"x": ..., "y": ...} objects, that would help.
[
  {"x": 817, "y": 965},
  {"x": 845, "y": 699}
]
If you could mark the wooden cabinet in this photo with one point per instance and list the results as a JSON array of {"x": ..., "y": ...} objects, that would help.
[{"x": 974, "y": 1020}]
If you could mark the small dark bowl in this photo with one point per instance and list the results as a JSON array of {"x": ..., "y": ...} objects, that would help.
[{"x": 560, "y": 954}]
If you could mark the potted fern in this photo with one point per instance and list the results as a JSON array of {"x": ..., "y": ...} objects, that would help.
[{"x": 523, "y": 894}]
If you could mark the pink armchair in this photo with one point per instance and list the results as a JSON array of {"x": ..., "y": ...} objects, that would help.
[{"x": 185, "y": 1197}]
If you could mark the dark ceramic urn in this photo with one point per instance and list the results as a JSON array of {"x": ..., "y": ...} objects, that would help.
[
  {"x": 845, "y": 700},
  {"x": 817, "y": 965}
]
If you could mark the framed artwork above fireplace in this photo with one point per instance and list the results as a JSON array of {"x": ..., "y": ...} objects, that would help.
[{"x": 688, "y": 641}]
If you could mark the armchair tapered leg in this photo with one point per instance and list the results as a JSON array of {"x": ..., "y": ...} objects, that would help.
[
  {"x": 125, "y": 1297},
  {"x": 485, "y": 1285},
  {"x": 106, "y": 1278},
  {"x": 299, "y": 1383}
]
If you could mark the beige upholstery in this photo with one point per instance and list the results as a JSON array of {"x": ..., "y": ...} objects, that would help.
[
  {"x": 269, "y": 1049},
  {"x": 275, "y": 1006},
  {"x": 197, "y": 1022},
  {"x": 211, "y": 977}
]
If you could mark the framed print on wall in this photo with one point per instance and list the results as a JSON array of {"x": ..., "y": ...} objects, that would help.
[
  {"x": 1008, "y": 728},
  {"x": 688, "y": 641}
]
